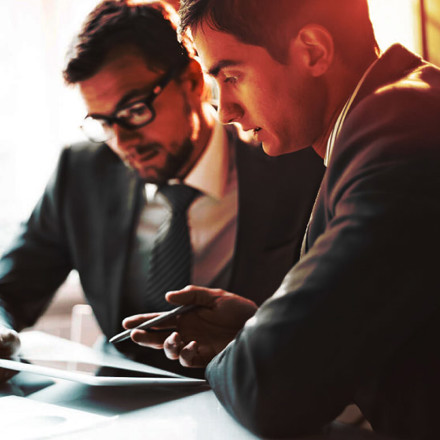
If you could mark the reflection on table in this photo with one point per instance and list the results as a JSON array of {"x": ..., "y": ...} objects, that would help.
[{"x": 145, "y": 412}]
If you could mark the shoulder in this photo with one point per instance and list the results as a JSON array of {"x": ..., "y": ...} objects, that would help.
[
  {"x": 88, "y": 159},
  {"x": 89, "y": 167},
  {"x": 413, "y": 99},
  {"x": 399, "y": 121},
  {"x": 390, "y": 140},
  {"x": 414, "y": 96},
  {"x": 88, "y": 153}
]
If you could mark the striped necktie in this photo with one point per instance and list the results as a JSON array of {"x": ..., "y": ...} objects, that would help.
[{"x": 171, "y": 256}]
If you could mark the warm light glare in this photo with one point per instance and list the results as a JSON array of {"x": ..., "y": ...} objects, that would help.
[{"x": 396, "y": 21}]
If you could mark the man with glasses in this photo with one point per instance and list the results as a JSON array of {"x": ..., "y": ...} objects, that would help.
[{"x": 152, "y": 131}]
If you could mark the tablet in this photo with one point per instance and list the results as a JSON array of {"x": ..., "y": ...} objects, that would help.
[{"x": 96, "y": 375}]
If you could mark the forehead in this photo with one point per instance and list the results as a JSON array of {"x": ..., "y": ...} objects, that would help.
[
  {"x": 120, "y": 75},
  {"x": 217, "y": 48}
]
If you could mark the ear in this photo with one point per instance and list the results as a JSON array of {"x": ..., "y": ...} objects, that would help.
[
  {"x": 315, "y": 46},
  {"x": 192, "y": 79}
]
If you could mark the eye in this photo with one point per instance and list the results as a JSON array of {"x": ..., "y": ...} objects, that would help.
[
  {"x": 230, "y": 80},
  {"x": 135, "y": 114},
  {"x": 138, "y": 109}
]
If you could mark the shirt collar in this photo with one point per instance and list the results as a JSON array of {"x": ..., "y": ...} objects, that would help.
[
  {"x": 210, "y": 174},
  {"x": 341, "y": 118}
]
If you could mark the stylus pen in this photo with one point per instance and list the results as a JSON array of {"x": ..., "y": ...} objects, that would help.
[{"x": 152, "y": 322}]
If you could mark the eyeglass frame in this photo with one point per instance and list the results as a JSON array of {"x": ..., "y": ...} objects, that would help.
[{"x": 148, "y": 101}]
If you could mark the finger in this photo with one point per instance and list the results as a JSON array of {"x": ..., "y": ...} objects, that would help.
[
  {"x": 187, "y": 354},
  {"x": 202, "y": 296},
  {"x": 6, "y": 351},
  {"x": 149, "y": 339},
  {"x": 195, "y": 356},
  {"x": 135, "y": 320},
  {"x": 173, "y": 346},
  {"x": 192, "y": 356},
  {"x": 9, "y": 342}
]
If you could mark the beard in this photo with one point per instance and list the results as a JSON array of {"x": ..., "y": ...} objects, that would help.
[
  {"x": 173, "y": 167},
  {"x": 175, "y": 164}
]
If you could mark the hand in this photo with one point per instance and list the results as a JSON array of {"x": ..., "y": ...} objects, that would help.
[
  {"x": 202, "y": 333},
  {"x": 9, "y": 345}
]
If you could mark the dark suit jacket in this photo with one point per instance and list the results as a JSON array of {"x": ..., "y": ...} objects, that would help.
[
  {"x": 358, "y": 318},
  {"x": 88, "y": 215}
]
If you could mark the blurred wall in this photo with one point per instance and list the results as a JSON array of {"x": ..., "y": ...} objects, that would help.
[{"x": 431, "y": 28}]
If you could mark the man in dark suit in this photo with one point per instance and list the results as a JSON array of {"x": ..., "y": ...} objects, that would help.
[
  {"x": 102, "y": 209},
  {"x": 358, "y": 318}
]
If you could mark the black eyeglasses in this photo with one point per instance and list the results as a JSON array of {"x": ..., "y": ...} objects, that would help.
[{"x": 98, "y": 128}]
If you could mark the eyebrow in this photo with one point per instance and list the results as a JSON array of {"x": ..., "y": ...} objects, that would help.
[
  {"x": 134, "y": 94},
  {"x": 126, "y": 98},
  {"x": 215, "y": 70}
]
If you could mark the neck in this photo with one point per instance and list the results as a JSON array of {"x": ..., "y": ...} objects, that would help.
[
  {"x": 203, "y": 121},
  {"x": 341, "y": 83}
]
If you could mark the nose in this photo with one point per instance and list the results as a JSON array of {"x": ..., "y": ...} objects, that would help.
[
  {"x": 125, "y": 140},
  {"x": 229, "y": 110}
]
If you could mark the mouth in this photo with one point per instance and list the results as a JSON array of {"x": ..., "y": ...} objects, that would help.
[
  {"x": 250, "y": 129},
  {"x": 256, "y": 130},
  {"x": 143, "y": 153}
]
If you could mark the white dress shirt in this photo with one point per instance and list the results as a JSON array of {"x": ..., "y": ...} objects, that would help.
[{"x": 212, "y": 217}]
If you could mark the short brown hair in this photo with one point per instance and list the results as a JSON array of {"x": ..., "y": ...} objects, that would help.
[
  {"x": 272, "y": 24},
  {"x": 149, "y": 26}
]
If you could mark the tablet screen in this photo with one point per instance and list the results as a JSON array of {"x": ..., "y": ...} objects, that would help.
[
  {"x": 92, "y": 369},
  {"x": 91, "y": 374}
]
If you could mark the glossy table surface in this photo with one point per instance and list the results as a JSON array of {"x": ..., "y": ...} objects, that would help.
[{"x": 159, "y": 412}]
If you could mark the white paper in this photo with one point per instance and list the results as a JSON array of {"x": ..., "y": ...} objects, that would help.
[{"x": 32, "y": 420}]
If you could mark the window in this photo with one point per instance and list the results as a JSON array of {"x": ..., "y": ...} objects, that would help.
[
  {"x": 430, "y": 29},
  {"x": 396, "y": 21},
  {"x": 38, "y": 113}
]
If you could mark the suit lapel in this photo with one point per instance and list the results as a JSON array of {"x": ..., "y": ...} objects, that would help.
[
  {"x": 313, "y": 213},
  {"x": 122, "y": 210},
  {"x": 392, "y": 65}
]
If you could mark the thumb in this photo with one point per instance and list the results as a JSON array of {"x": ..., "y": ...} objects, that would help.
[
  {"x": 201, "y": 296},
  {"x": 9, "y": 342}
]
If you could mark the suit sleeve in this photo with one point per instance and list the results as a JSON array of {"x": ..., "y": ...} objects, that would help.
[
  {"x": 37, "y": 261},
  {"x": 362, "y": 290}
]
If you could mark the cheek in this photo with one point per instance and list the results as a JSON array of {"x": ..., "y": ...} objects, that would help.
[
  {"x": 263, "y": 102},
  {"x": 302, "y": 116},
  {"x": 172, "y": 122},
  {"x": 250, "y": 105}
]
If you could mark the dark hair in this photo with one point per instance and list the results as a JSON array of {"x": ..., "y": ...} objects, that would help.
[
  {"x": 272, "y": 24},
  {"x": 150, "y": 26}
]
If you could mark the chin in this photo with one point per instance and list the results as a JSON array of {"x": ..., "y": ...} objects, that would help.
[
  {"x": 154, "y": 179},
  {"x": 148, "y": 177},
  {"x": 272, "y": 148},
  {"x": 278, "y": 148}
]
